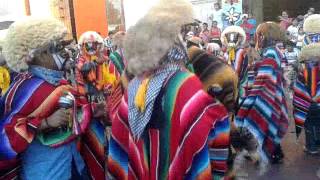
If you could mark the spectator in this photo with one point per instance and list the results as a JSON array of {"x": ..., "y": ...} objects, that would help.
[
  {"x": 205, "y": 33},
  {"x": 300, "y": 19},
  {"x": 310, "y": 12},
  {"x": 285, "y": 21},
  {"x": 218, "y": 15},
  {"x": 252, "y": 20},
  {"x": 282, "y": 49},
  {"x": 300, "y": 38},
  {"x": 246, "y": 26},
  {"x": 292, "y": 55},
  {"x": 293, "y": 31},
  {"x": 215, "y": 32}
]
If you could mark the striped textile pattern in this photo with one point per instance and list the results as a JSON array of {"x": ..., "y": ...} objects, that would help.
[
  {"x": 264, "y": 110},
  {"x": 28, "y": 101},
  {"x": 94, "y": 147},
  {"x": 176, "y": 142},
  {"x": 17, "y": 101},
  {"x": 117, "y": 60},
  {"x": 240, "y": 65},
  {"x": 306, "y": 91},
  {"x": 118, "y": 162},
  {"x": 248, "y": 84},
  {"x": 25, "y": 96},
  {"x": 240, "y": 62},
  {"x": 219, "y": 142}
]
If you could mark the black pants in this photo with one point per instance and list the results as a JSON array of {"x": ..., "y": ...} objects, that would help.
[
  {"x": 312, "y": 128},
  {"x": 75, "y": 175}
]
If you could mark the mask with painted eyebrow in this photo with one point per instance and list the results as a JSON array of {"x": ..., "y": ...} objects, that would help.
[{"x": 233, "y": 39}]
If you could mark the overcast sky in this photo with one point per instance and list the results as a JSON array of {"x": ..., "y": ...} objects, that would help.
[{"x": 135, "y": 9}]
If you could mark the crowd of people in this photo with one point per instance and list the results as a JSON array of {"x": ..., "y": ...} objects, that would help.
[{"x": 163, "y": 100}]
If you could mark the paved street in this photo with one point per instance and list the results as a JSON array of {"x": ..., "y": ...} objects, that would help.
[{"x": 297, "y": 165}]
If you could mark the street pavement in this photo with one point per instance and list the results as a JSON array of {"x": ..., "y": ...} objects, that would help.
[{"x": 297, "y": 165}]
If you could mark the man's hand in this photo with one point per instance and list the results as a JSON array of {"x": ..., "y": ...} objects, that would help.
[
  {"x": 100, "y": 110},
  {"x": 58, "y": 119},
  {"x": 102, "y": 57}
]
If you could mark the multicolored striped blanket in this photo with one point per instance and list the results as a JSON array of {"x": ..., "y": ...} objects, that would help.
[
  {"x": 27, "y": 102},
  {"x": 187, "y": 137},
  {"x": 306, "y": 91},
  {"x": 94, "y": 146},
  {"x": 118, "y": 61},
  {"x": 264, "y": 110}
]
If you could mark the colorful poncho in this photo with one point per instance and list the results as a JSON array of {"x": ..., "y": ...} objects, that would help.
[
  {"x": 28, "y": 101},
  {"x": 186, "y": 138},
  {"x": 306, "y": 92},
  {"x": 264, "y": 111},
  {"x": 94, "y": 147},
  {"x": 118, "y": 60}
]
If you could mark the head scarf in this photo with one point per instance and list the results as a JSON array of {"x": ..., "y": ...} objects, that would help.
[{"x": 143, "y": 92}]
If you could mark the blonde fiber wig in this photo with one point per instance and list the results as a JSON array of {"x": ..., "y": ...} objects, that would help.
[
  {"x": 271, "y": 31},
  {"x": 310, "y": 51},
  {"x": 148, "y": 41},
  {"x": 27, "y": 35},
  {"x": 312, "y": 24}
]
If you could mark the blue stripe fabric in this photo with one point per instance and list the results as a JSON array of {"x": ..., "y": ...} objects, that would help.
[
  {"x": 21, "y": 97},
  {"x": 266, "y": 98},
  {"x": 199, "y": 164},
  {"x": 118, "y": 154}
]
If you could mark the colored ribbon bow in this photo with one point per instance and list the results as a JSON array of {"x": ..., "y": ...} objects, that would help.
[{"x": 140, "y": 98}]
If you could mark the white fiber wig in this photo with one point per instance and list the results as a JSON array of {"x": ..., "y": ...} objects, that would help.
[
  {"x": 310, "y": 51},
  {"x": 90, "y": 36},
  {"x": 232, "y": 29},
  {"x": 312, "y": 24},
  {"x": 27, "y": 35},
  {"x": 148, "y": 41},
  {"x": 213, "y": 47}
]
